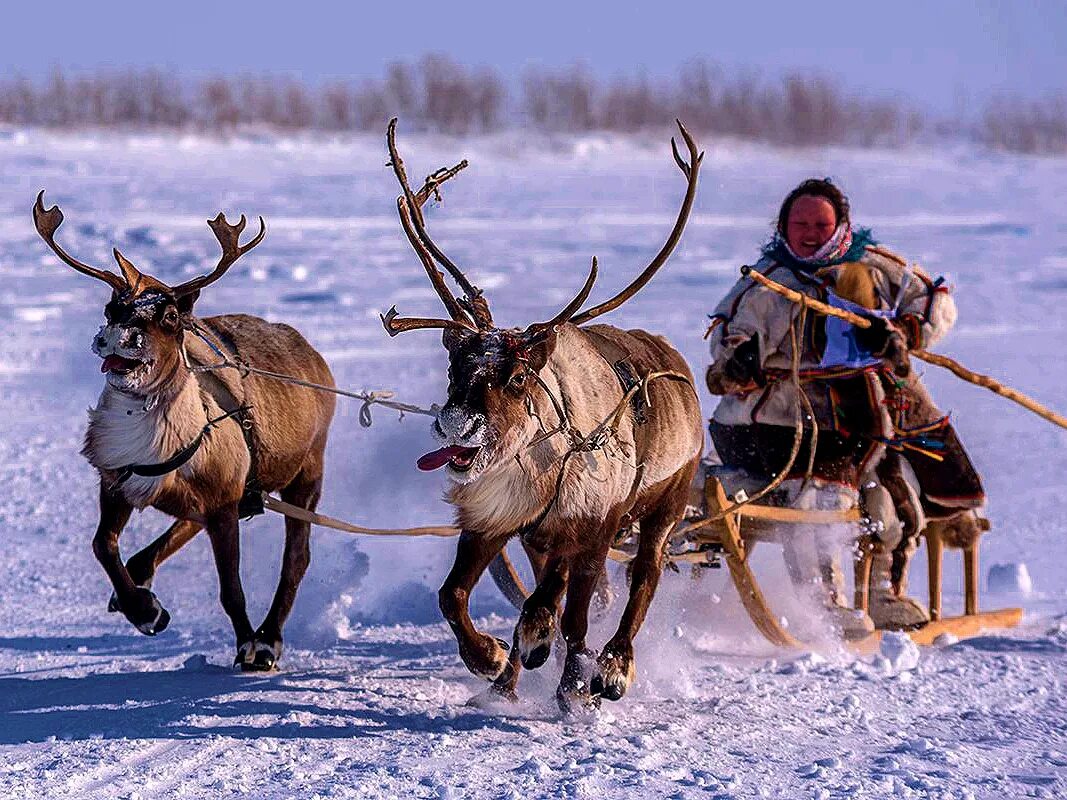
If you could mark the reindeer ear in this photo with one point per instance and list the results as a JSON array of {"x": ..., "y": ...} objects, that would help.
[
  {"x": 538, "y": 353},
  {"x": 185, "y": 303}
]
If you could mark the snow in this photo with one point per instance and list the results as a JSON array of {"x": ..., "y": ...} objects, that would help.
[
  {"x": 1009, "y": 579},
  {"x": 372, "y": 697}
]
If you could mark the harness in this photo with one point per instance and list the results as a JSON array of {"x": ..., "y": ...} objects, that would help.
[
  {"x": 634, "y": 396},
  {"x": 183, "y": 456},
  {"x": 251, "y": 502}
]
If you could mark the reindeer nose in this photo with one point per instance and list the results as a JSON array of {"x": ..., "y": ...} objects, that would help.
[{"x": 459, "y": 423}]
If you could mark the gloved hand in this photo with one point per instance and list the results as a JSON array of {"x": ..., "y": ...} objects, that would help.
[
  {"x": 744, "y": 365},
  {"x": 875, "y": 338},
  {"x": 885, "y": 341}
]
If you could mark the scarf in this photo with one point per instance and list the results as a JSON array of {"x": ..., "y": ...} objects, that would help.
[{"x": 844, "y": 245}]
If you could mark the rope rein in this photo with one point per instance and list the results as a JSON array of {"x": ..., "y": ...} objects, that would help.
[
  {"x": 796, "y": 335},
  {"x": 377, "y": 397},
  {"x": 598, "y": 438}
]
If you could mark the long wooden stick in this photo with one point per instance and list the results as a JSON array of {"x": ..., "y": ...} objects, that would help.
[
  {"x": 953, "y": 366},
  {"x": 993, "y": 385},
  {"x": 803, "y": 300}
]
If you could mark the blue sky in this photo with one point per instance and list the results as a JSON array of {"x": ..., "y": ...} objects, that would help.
[{"x": 934, "y": 52}]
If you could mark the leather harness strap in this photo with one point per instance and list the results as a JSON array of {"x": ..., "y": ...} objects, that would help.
[{"x": 179, "y": 459}]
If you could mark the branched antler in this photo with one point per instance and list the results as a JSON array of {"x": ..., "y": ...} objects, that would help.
[
  {"x": 690, "y": 170},
  {"x": 474, "y": 302},
  {"x": 229, "y": 237},
  {"x": 395, "y": 324},
  {"x": 47, "y": 222},
  {"x": 409, "y": 207}
]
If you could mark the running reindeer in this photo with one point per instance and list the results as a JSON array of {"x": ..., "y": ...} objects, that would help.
[
  {"x": 166, "y": 435},
  {"x": 520, "y": 404}
]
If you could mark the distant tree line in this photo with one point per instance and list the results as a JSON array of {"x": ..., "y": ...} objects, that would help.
[{"x": 438, "y": 94}]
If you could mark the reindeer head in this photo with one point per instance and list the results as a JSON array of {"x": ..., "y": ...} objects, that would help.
[
  {"x": 141, "y": 339},
  {"x": 494, "y": 373}
]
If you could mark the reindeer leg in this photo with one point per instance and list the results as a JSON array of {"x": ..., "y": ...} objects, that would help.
[
  {"x": 483, "y": 655},
  {"x": 143, "y": 564},
  {"x": 508, "y": 680},
  {"x": 138, "y": 604},
  {"x": 537, "y": 622},
  {"x": 616, "y": 661},
  {"x": 224, "y": 531},
  {"x": 574, "y": 691},
  {"x": 304, "y": 491}
]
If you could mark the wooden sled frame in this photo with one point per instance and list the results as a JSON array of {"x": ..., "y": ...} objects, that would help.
[{"x": 766, "y": 524}]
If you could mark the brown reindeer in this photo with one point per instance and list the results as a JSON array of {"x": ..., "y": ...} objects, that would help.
[
  {"x": 538, "y": 444},
  {"x": 194, "y": 444}
]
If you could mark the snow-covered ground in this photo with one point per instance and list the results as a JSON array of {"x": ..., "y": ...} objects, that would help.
[{"x": 371, "y": 700}]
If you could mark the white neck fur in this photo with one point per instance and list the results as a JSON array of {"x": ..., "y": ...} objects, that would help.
[{"x": 122, "y": 432}]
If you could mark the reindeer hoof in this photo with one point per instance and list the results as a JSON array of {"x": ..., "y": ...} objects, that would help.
[
  {"x": 536, "y": 657},
  {"x": 158, "y": 625},
  {"x": 113, "y": 604},
  {"x": 575, "y": 695},
  {"x": 615, "y": 675},
  {"x": 143, "y": 609},
  {"x": 255, "y": 656},
  {"x": 577, "y": 703},
  {"x": 536, "y": 629},
  {"x": 488, "y": 658}
]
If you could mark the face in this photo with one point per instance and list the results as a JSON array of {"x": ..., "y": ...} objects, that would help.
[
  {"x": 810, "y": 224},
  {"x": 485, "y": 421},
  {"x": 139, "y": 343}
]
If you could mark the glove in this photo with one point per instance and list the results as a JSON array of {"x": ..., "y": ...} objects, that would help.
[
  {"x": 885, "y": 342},
  {"x": 875, "y": 338},
  {"x": 744, "y": 365}
]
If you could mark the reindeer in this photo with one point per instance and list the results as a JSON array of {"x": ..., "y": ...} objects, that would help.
[
  {"x": 196, "y": 444},
  {"x": 521, "y": 403}
]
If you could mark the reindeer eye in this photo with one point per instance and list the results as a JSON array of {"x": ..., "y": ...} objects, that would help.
[{"x": 518, "y": 379}]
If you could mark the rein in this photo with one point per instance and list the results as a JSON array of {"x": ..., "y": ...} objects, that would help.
[
  {"x": 377, "y": 397},
  {"x": 796, "y": 334}
]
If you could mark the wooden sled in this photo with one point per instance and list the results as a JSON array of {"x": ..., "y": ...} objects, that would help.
[
  {"x": 733, "y": 537},
  {"x": 736, "y": 533}
]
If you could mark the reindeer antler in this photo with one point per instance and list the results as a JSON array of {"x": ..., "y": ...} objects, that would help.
[
  {"x": 395, "y": 324},
  {"x": 229, "y": 237},
  {"x": 540, "y": 328},
  {"x": 690, "y": 171},
  {"x": 47, "y": 222},
  {"x": 474, "y": 301},
  {"x": 409, "y": 207}
]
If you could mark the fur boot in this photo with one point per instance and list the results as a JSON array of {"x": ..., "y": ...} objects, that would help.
[
  {"x": 890, "y": 606},
  {"x": 812, "y": 555}
]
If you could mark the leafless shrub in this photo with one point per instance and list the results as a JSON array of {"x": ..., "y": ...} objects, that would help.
[
  {"x": 437, "y": 93},
  {"x": 1026, "y": 126},
  {"x": 563, "y": 101},
  {"x": 457, "y": 101}
]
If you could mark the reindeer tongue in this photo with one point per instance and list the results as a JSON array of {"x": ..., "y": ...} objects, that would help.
[
  {"x": 438, "y": 458},
  {"x": 112, "y": 361}
]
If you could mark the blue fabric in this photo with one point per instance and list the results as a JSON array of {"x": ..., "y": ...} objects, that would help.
[{"x": 842, "y": 349}]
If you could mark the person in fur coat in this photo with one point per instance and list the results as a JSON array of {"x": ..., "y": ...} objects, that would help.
[{"x": 881, "y": 440}]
